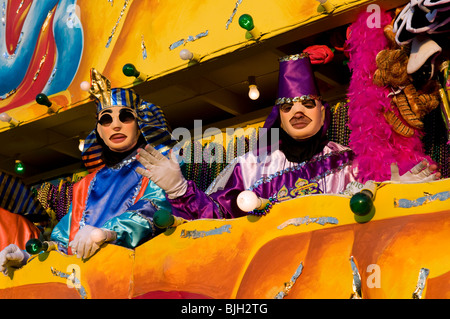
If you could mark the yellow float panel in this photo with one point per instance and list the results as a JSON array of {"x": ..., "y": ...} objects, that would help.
[{"x": 309, "y": 247}]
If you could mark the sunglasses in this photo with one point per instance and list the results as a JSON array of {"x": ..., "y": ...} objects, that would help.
[
  {"x": 125, "y": 116},
  {"x": 286, "y": 107}
]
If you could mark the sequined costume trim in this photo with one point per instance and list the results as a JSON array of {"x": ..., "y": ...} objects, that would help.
[
  {"x": 315, "y": 158},
  {"x": 283, "y": 100}
]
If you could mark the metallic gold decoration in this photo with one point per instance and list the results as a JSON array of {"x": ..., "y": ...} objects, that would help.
[
  {"x": 40, "y": 66},
  {"x": 302, "y": 98},
  {"x": 308, "y": 220},
  {"x": 4, "y": 13},
  {"x": 356, "y": 294},
  {"x": 423, "y": 275},
  {"x": 73, "y": 279},
  {"x": 444, "y": 92},
  {"x": 189, "y": 39},
  {"x": 238, "y": 2},
  {"x": 113, "y": 31},
  {"x": 288, "y": 285},
  {"x": 202, "y": 233},
  {"x": 293, "y": 57},
  {"x": 20, "y": 6},
  {"x": 5, "y": 96},
  {"x": 428, "y": 198},
  {"x": 143, "y": 48},
  {"x": 100, "y": 87}
]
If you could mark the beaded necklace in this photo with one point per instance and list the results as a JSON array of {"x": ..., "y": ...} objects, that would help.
[
  {"x": 56, "y": 200},
  {"x": 266, "y": 209}
]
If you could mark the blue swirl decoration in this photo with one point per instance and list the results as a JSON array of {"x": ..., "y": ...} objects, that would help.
[{"x": 68, "y": 37}]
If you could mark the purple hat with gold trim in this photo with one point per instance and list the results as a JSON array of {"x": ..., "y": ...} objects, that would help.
[{"x": 296, "y": 80}]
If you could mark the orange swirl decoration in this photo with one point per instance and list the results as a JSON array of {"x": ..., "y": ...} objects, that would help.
[{"x": 41, "y": 51}]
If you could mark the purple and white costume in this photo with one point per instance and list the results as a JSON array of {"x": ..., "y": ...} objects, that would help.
[{"x": 274, "y": 176}]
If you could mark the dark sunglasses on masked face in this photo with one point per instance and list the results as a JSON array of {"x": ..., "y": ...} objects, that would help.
[
  {"x": 126, "y": 116},
  {"x": 308, "y": 103}
]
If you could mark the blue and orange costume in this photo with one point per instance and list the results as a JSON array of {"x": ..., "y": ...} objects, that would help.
[{"x": 116, "y": 197}]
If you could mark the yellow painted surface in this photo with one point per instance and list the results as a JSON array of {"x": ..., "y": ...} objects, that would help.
[
  {"x": 159, "y": 24},
  {"x": 107, "y": 277},
  {"x": 254, "y": 258}
]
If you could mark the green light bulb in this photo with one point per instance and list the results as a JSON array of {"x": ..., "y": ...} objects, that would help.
[
  {"x": 33, "y": 246},
  {"x": 246, "y": 22},
  {"x": 19, "y": 168},
  {"x": 130, "y": 70},
  {"x": 361, "y": 204},
  {"x": 42, "y": 99},
  {"x": 163, "y": 218}
]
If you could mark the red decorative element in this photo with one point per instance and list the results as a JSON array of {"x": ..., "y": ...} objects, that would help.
[
  {"x": 45, "y": 46},
  {"x": 16, "y": 13}
]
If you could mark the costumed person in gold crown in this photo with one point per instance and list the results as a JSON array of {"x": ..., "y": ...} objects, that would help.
[
  {"x": 300, "y": 162},
  {"x": 113, "y": 203}
]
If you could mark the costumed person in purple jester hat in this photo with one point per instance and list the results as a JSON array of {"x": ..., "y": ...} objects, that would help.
[
  {"x": 300, "y": 162},
  {"x": 113, "y": 203}
]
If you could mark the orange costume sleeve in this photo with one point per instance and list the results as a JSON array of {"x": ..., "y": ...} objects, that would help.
[{"x": 15, "y": 229}]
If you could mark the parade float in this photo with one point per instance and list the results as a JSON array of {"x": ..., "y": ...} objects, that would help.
[
  {"x": 393, "y": 245},
  {"x": 310, "y": 247}
]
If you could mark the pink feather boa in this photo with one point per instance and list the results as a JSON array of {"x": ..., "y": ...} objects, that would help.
[{"x": 372, "y": 139}]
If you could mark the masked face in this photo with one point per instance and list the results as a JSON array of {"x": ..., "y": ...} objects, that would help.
[
  {"x": 118, "y": 128},
  {"x": 302, "y": 120}
]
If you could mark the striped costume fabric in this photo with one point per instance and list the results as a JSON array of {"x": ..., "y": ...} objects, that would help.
[{"x": 17, "y": 198}]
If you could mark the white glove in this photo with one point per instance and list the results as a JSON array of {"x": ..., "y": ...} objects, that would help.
[
  {"x": 421, "y": 173},
  {"x": 89, "y": 239},
  {"x": 12, "y": 257},
  {"x": 164, "y": 172}
]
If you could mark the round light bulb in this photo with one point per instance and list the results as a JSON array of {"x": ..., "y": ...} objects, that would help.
[
  {"x": 85, "y": 86},
  {"x": 33, "y": 246},
  {"x": 5, "y": 117},
  {"x": 253, "y": 92},
  {"x": 361, "y": 204},
  {"x": 42, "y": 99},
  {"x": 98, "y": 235},
  {"x": 246, "y": 22},
  {"x": 163, "y": 219},
  {"x": 248, "y": 201},
  {"x": 185, "y": 54},
  {"x": 19, "y": 168},
  {"x": 81, "y": 145},
  {"x": 130, "y": 70}
]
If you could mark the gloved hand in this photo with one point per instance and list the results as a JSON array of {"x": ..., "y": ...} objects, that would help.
[
  {"x": 421, "y": 173},
  {"x": 89, "y": 239},
  {"x": 164, "y": 172},
  {"x": 12, "y": 257}
]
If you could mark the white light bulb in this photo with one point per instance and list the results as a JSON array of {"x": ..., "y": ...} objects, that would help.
[
  {"x": 85, "y": 86},
  {"x": 5, "y": 117},
  {"x": 81, "y": 145},
  {"x": 248, "y": 201},
  {"x": 253, "y": 92},
  {"x": 185, "y": 54},
  {"x": 98, "y": 235}
]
